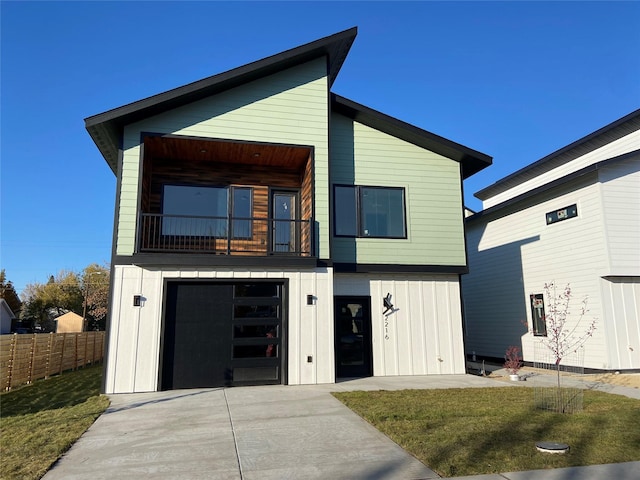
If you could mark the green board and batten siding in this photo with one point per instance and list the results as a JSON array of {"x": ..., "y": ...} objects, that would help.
[
  {"x": 289, "y": 107},
  {"x": 362, "y": 155}
]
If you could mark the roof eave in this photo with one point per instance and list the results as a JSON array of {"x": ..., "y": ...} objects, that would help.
[
  {"x": 594, "y": 167},
  {"x": 334, "y": 47},
  {"x": 619, "y": 128},
  {"x": 472, "y": 161}
]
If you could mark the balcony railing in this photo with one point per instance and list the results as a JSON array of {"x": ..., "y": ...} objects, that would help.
[{"x": 225, "y": 235}]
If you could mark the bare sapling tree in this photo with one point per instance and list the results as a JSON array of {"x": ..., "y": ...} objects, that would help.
[{"x": 565, "y": 332}]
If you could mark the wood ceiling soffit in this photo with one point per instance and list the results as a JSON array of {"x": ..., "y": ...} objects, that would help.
[{"x": 282, "y": 156}]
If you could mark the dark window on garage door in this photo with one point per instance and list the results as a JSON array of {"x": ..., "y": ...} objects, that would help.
[{"x": 223, "y": 334}]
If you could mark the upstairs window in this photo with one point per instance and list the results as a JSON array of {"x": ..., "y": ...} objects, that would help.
[
  {"x": 241, "y": 208},
  {"x": 370, "y": 212},
  {"x": 202, "y": 211}
]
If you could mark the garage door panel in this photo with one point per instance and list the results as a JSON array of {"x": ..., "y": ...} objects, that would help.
[
  {"x": 199, "y": 316},
  {"x": 222, "y": 334}
]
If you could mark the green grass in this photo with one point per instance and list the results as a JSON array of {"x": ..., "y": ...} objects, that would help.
[
  {"x": 39, "y": 422},
  {"x": 473, "y": 431}
]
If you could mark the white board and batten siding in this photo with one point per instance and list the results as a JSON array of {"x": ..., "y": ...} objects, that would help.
[
  {"x": 134, "y": 335},
  {"x": 626, "y": 144},
  {"x": 361, "y": 155},
  {"x": 288, "y": 107},
  {"x": 514, "y": 255},
  {"x": 621, "y": 306},
  {"x": 424, "y": 333}
]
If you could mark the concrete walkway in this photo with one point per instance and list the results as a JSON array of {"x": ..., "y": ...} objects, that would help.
[{"x": 267, "y": 432}]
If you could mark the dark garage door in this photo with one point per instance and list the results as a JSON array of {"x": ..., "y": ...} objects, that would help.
[{"x": 222, "y": 334}]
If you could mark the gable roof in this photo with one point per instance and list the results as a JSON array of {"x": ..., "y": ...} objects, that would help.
[
  {"x": 106, "y": 128},
  {"x": 472, "y": 161},
  {"x": 607, "y": 134},
  {"x": 69, "y": 316}
]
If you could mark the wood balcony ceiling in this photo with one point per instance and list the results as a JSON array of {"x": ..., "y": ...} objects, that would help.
[{"x": 220, "y": 151}]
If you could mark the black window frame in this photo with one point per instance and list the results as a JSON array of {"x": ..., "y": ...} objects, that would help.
[
  {"x": 230, "y": 191},
  {"x": 538, "y": 320},
  {"x": 562, "y": 214},
  {"x": 360, "y": 226}
]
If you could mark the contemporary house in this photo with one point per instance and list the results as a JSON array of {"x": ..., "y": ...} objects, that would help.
[
  {"x": 269, "y": 231},
  {"x": 572, "y": 217}
]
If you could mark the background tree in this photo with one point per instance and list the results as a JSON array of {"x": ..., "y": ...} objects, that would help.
[
  {"x": 95, "y": 286},
  {"x": 85, "y": 293},
  {"x": 8, "y": 292},
  {"x": 43, "y": 302}
]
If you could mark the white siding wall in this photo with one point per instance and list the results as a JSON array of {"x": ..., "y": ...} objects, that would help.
[
  {"x": 362, "y": 155},
  {"x": 5, "y": 317},
  {"x": 424, "y": 336},
  {"x": 621, "y": 304},
  {"x": 625, "y": 144},
  {"x": 514, "y": 256},
  {"x": 134, "y": 336},
  {"x": 289, "y": 107},
  {"x": 621, "y": 206}
]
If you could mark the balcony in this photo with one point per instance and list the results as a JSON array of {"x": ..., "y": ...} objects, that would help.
[
  {"x": 225, "y": 202},
  {"x": 248, "y": 236}
]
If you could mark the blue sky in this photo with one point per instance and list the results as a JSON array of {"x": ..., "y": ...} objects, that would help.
[{"x": 514, "y": 80}]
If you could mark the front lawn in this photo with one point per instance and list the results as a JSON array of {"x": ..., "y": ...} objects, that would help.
[
  {"x": 39, "y": 422},
  {"x": 477, "y": 431}
]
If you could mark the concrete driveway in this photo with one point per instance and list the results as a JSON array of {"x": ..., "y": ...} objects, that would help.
[{"x": 266, "y": 432}]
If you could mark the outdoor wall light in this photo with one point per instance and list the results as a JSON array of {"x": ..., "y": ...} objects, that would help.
[
  {"x": 137, "y": 300},
  {"x": 310, "y": 299}
]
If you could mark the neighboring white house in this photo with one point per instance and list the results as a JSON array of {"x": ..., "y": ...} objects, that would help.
[
  {"x": 261, "y": 220},
  {"x": 6, "y": 315},
  {"x": 572, "y": 217}
]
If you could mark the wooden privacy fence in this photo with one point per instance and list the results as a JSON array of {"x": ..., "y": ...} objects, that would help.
[{"x": 25, "y": 358}]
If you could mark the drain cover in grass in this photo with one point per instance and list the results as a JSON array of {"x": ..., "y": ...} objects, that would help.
[{"x": 552, "y": 447}]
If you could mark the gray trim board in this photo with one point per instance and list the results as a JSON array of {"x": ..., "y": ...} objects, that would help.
[
  {"x": 181, "y": 260},
  {"x": 114, "y": 245},
  {"x": 392, "y": 268}
]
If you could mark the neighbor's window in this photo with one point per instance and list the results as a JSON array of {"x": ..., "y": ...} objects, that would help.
[
  {"x": 202, "y": 211},
  {"x": 563, "y": 214},
  {"x": 537, "y": 315},
  {"x": 376, "y": 212}
]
